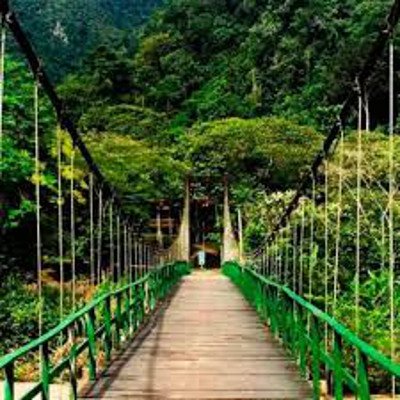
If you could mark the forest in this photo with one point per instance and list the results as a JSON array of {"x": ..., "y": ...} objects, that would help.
[{"x": 203, "y": 88}]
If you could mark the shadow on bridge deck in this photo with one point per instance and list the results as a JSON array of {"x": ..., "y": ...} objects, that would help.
[{"x": 206, "y": 343}]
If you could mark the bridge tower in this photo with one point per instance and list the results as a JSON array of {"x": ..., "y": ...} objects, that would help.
[
  {"x": 180, "y": 249},
  {"x": 230, "y": 248}
]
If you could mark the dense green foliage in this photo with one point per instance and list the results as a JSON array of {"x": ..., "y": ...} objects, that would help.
[
  {"x": 199, "y": 61},
  {"x": 203, "y": 60}
]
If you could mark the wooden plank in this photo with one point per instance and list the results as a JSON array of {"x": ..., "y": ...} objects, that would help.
[{"x": 207, "y": 344}]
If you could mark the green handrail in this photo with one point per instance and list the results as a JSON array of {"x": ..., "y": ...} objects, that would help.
[
  {"x": 108, "y": 319},
  {"x": 299, "y": 325}
]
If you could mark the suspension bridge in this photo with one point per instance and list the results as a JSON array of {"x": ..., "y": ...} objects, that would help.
[{"x": 266, "y": 326}]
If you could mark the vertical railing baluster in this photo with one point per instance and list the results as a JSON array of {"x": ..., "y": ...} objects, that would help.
[
  {"x": 118, "y": 321},
  {"x": 108, "y": 332},
  {"x": 286, "y": 323},
  {"x": 136, "y": 315},
  {"x": 72, "y": 362},
  {"x": 302, "y": 332},
  {"x": 337, "y": 367},
  {"x": 294, "y": 331},
  {"x": 131, "y": 309},
  {"x": 127, "y": 319},
  {"x": 45, "y": 371},
  {"x": 91, "y": 336},
  {"x": 362, "y": 378},
  {"x": 264, "y": 301},
  {"x": 9, "y": 392},
  {"x": 315, "y": 361}
]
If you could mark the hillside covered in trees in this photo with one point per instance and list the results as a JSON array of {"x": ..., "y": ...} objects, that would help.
[
  {"x": 64, "y": 31},
  {"x": 204, "y": 60},
  {"x": 199, "y": 62}
]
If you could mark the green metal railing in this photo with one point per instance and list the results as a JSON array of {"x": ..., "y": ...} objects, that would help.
[
  {"x": 101, "y": 326},
  {"x": 303, "y": 328}
]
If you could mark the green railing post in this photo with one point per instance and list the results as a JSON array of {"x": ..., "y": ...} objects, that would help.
[
  {"x": 127, "y": 318},
  {"x": 135, "y": 307},
  {"x": 118, "y": 321},
  {"x": 9, "y": 382},
  {"x": 362, "y": 378},
  {"x": 285, "y": 327},
  {"x": 262, "y": 306},
  {"x": 164, "y": 282},
  {"x": 152, "y": 287},
  {"x": 72, "y": 363},
  {"x": 107, "y": 327},
  {"x": 270, "y": 310},
  {"x": 45, "y": 371},
  {"x": 145, "y": 294},
  {"x": 131, "y": 310},
  {"x": 315, "y": 362},
  {"x": 302, "y": 343},
  {"x": 337, "y": 367},
  {"x": 138, "y": 304},
  {"x": 281, "y": 319},
  {"x": 293, "y": 329},
  {"x": 91, "y": 336}
]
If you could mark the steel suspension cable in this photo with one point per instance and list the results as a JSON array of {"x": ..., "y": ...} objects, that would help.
[
  {"x": 91, "y": 228},
  {"x": 274, "y": 258},
  {"x": 294, "y": 264},
  {"x": 280, "y": 257},
  {"x": 301, "y": 244},
  {"x": 118, "y": 247},
  {"x": 263, "y": 257},
  {"x": 2, "y": 74},
  {"x": 277, "y": 262},
  {"x": 140, "y": 256},
  {"x": 111, "y": 231},
  {"x": 392, "y": 186},
  {"x": 358, "y": 216},
  {"x": 287, "y": 250},
  {"x": 326, "y": 249},
  {"x": 145, "y": 258},
  {"x": 137, "y": 258},
  {"x": 147, "y": 255},
  {"x": 338, "y": 224},
  {"x": 271, "y": 260},
  {"x": 125, "y": 250},
  {"x": 267, "y": 264},
  {"x": 38, "y": 208},
  {"x": 311, "y": 256},
  {"x": 72, "y": 228},
  {"x": 100, "y": 237},
  {"x": 60, "y": 201},
  {"x": 383, "y": 241},
  {"x": 60, "y": 233},
  {"x": 130, "y": 247}
]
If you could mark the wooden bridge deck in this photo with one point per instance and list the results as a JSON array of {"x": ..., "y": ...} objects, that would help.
[{"x": 207, "y": 343}]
